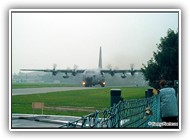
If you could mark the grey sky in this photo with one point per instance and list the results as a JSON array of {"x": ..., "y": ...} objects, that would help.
[{"x": 40, "y": 40}]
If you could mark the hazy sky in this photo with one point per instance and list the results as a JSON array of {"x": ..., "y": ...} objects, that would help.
[{"x": 40, "y": 40}]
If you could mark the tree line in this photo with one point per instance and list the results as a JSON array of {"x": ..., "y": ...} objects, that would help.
[{"x": 165, "y": 63}]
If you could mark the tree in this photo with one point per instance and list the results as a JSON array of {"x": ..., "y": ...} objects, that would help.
[{"x": 164, "y": 64}]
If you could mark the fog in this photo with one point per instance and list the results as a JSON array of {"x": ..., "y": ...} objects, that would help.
[{"x": 40, "y": 40}]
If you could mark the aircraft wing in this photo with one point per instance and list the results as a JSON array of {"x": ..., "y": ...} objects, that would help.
[
  {"x": 119, "y": 71},
  {"x": 124, "y": 71},
  {"x": 55, "y": 71},
  {"x": 42, "y": 70}
]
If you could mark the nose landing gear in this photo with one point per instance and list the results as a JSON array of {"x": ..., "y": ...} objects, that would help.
[{"x": 88, "y": 82}]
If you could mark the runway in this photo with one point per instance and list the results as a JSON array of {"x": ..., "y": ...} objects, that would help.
[{"x": 26, "y": 91}]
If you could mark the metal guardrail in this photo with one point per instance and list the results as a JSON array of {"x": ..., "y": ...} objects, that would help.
[{"x": 136, "y": 113}]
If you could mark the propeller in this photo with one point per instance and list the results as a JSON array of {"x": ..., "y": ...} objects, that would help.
[
  {"x": 54, "y": 72},
  {"x": 109, "y": 66},
  {"x": 54, "y": 66},
  {"x": 132, "y": 69},
  {"x": 112, "y": 73},
  {"x": 74, "y": 72},
  {"x": 75, "y": 66}
]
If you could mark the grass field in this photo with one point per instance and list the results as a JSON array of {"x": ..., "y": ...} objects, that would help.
[{"x": 97, "y": 99}]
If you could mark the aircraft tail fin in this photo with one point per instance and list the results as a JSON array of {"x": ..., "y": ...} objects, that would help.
[{"x": 100, "y": 59}]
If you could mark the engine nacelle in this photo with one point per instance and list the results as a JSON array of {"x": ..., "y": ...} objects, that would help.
[
  {"x": 54, "y": 73},
  {"x": 65, "y": 76},
  {"x": 123, "y": 76},
  {"x": 132, "y": 73},
  {"x": 112, "y": 73},
  {"x": 74, "y": 72}
]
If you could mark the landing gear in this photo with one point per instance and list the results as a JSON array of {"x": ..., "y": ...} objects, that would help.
[
  {"x": 88, "y": 85},
  {"x": 103, "y": 84}
]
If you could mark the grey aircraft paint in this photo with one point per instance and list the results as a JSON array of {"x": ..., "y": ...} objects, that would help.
[{"x": 91, "y": 77}]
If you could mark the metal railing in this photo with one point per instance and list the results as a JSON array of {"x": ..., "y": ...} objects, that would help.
[{"x": 136, "y": 113}]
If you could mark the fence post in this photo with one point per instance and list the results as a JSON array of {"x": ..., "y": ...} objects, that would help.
[
  {"x": 176, "y": 87},
  {"x": 115, "y": 96},
  {"x": 146, "y": 94},
  {"x": 149, "y": 93},
  {"x": 96, "y": 119}
]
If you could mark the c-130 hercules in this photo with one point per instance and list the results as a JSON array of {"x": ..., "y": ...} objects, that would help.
[{"x": 91, "y": 77}]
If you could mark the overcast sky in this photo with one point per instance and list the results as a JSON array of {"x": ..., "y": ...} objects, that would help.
[{"x": 40, "y": 40}]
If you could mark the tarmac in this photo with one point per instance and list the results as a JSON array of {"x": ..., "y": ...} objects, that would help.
[
  {"x": 33, "y": 121},
  {"x": 26, "y": 91}
]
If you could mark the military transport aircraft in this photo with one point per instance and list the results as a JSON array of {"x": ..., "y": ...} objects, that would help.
[{"x": 91, "y": 77}]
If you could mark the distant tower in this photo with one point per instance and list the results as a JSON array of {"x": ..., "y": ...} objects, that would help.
[{"x": 100, "y": 59}]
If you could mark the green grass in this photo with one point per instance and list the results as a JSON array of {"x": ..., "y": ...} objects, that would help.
[
  {"x": 97, "y": 98},
  {"x": 39, "y": 85}
]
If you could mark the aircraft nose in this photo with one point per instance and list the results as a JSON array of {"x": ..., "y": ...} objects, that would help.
[
  {"x": 88, "y": 79},
  {"x": 88, "y": 76}
]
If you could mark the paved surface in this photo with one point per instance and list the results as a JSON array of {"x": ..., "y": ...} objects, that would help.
[
  {"x": 26, "y": 121},
  {"x": 25, "y": 91},
  {"x": 30, "y": 121}
]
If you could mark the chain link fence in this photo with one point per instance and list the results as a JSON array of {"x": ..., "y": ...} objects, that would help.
[{"x": 136, "y": 113}]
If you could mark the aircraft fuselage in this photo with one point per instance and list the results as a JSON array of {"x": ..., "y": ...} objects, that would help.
[{"x": 92, "y": 77}]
